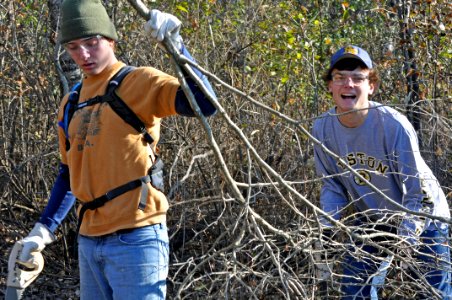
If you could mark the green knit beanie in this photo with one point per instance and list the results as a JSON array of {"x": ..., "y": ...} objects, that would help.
[{"x": 84, "y": 18}]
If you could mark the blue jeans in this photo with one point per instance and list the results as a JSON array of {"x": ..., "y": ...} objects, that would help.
[
  {"x": 130, "y": 264},
  {"x": 437, "y": 273}
]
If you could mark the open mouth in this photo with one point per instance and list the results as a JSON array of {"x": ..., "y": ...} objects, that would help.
[{"x": 348, "y": 96}]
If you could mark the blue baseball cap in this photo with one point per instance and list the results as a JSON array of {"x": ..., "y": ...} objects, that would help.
[{"x": 351, "y": 52}]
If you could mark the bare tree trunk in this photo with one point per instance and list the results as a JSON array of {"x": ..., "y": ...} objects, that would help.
[
  {"x": 68, "y": 74},
  {"x": 412, "y": 73},
  {"x": 68, "y": 71}
]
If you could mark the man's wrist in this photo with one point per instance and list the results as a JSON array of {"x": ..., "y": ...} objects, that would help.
[{"x": 43, "y": 232}]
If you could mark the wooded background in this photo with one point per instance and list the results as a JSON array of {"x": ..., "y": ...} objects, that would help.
[{"x": 268, "y": 57}]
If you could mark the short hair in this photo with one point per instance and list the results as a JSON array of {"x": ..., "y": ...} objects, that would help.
[{"x": 350, "y": 64}]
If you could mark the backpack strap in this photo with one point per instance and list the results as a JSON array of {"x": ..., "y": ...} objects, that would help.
[
  {"x": 121, "y": 108},
  {"x": 69, "y": 109},
  {"x": 115, "y": 102},
  {"x": 112, "y": 194}
]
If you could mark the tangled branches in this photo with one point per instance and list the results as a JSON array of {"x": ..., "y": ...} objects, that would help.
[
  {"x": 262, "y": 232},
  {"x": 244, "y": 216}
]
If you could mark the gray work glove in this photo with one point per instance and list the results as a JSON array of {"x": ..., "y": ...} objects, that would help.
[
  {"x": 322, "y": 266},
  {"x": 162, "y": 25}
]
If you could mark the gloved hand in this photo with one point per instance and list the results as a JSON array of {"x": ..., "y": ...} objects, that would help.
[
  {"x": 162, "y": 25},
  {"x": 406, "y": 258},
  {"x": 18, "y": 277},
  {"x": 322, "y": 268},
  {"x": 36, "y": 241},
  {"x": 378, "y": 279},
  {"x": 322, "y": 271}
]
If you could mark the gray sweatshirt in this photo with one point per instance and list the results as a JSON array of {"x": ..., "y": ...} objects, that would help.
[{"x": 384, "y": 149}]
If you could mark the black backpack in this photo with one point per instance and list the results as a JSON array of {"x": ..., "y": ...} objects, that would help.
[{"x": 155, "y": 173}]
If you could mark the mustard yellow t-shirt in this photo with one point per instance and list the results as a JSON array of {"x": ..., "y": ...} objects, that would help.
[{"x": 105, "y": 152}]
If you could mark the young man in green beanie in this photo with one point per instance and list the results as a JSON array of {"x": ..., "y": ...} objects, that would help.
[{"x": 122, "y": 244}]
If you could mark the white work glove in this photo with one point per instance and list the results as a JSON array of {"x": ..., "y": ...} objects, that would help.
[
  {"x": 18, "y": 276},
  {"x": 36, "y": 241},
  {"x": 378, "y": 279},
  {"x": 322, "y": 268},
  {"x": 162, "y": 25},
  {"x": 322, "y": 271},
  {"x": 27, "y": 252},
  {"x": 406, "y": 254}
]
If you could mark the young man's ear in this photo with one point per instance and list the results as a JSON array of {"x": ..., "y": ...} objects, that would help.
[
  {"x": 372, "y": 89},
  {"x": 329, "y": 87}
]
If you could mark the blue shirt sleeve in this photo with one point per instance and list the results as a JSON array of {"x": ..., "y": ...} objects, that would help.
[
  {"x": 183, "y": 107},
  {"x": 416, "y": 180},
  {"x": 60, "y": 202}
]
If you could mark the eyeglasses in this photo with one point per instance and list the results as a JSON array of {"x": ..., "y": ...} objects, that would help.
[
  {"x": 342, "y": 79},
  {"x": 89, "y": 44}
]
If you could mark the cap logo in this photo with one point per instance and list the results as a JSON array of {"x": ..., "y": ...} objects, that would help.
[{"x": 351, "y": 50}]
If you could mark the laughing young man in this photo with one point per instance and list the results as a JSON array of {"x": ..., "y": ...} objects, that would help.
[{"x": 381, "y": 145}]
